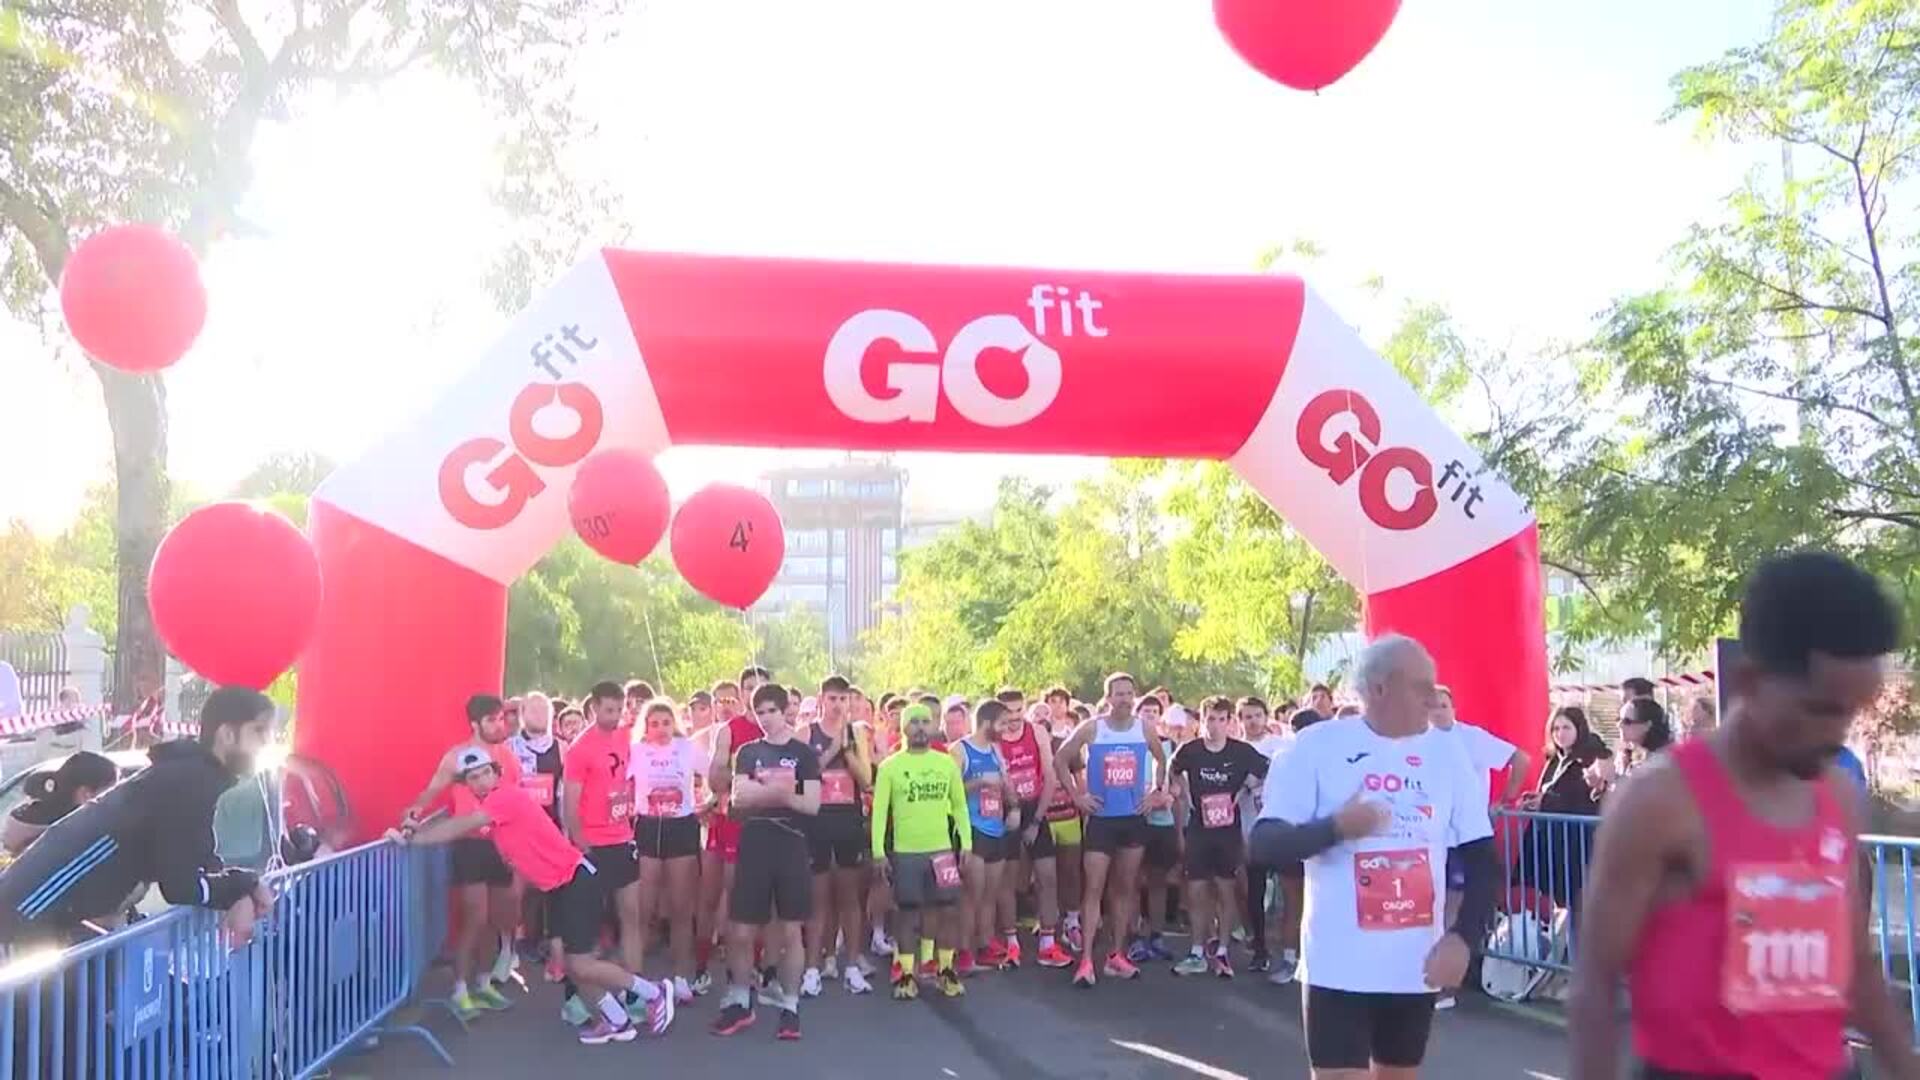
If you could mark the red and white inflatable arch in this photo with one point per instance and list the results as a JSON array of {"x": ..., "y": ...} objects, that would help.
[{"x": 419, "y": 541}]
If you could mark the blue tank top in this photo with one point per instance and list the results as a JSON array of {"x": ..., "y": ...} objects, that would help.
[
  {"x": 982, "y": 763},
  {"x": 1117, "y": 765},
  {"x": 1163, "y": 817}
]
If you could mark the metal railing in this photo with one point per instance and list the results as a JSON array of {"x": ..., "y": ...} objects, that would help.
[{"x": 348, "y": 941}]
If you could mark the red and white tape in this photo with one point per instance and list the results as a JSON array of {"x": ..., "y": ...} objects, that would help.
[
  {"x": 156, "y": 722},
  {"x": 1693, "y": 680}
]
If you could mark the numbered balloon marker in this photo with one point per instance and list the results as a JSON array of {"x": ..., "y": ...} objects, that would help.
[{"x": 742, "y": 535}]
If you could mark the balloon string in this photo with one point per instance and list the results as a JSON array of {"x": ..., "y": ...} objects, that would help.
[{"x": 646, "y": 619}]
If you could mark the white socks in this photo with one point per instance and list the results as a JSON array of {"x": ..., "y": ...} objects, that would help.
[{"x": 643, "y": 989}]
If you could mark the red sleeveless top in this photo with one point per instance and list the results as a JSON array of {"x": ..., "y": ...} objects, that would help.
[
  {"x": 1750, "y": 974},
  {"x": 1023, "y": 765}
]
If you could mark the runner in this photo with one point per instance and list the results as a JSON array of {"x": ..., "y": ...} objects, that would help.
[
  {"x": 663, "y": 766},
  {"x": 920, "y": 802},
  {"x": 1115, "y": 748},
  {"x": 957, "y": 720},
  {"x": 839, "y": 843},
  {"x": 1063, "y": 817},
  {"x": 568, "y": 722},
  {"x": 1373, "y": 803},
  {"x": 489, "y": 903},
  {"x": 992, "y": 811},
  {"x": 699, "y": 714},
  {"x": 1027, "y": 748},
  {"x": 773, "y": 785},
  {"x": 1257, "y": 724},
  {"x": 886, "y": 740},
  {"x": 1165, "y": 845},
  {"x": 732, "y": 729},
  {"x": 638, "y": 693},
  {"x": 540, "y": 756},
  {"x": 1210, "y": 774},
  {"x": 526, "y": 839},
  {"x": 596, "y": 810},
  {"x": 1736, "y": 905}
]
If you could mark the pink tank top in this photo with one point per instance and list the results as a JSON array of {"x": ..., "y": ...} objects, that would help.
[{"x": 1749, "y": 975}]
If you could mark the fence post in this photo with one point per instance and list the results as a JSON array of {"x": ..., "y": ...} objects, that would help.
[
  {"x": 87, "y": 673},
  {"x": 176, "y": 674}
]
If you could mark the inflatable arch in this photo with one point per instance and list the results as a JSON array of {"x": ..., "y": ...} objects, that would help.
[{"x": 642, "y": 350}]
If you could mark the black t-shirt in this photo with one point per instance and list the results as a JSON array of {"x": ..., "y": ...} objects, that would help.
[
  {"x": 764, "y": 762},
  {"x": 1215, "y": 779}
]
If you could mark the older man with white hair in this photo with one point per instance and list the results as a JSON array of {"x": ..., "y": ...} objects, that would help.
[{"x": 1374, "y": 803}]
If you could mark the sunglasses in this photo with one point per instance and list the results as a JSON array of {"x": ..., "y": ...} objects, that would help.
[{"x": 728, "y": 701}]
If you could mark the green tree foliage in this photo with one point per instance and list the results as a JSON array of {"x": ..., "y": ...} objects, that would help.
[
  {"x": 1767, "y": 398},
  {"x": 112, "y": 112}
]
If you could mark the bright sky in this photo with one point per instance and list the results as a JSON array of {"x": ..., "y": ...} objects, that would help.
[{"x": 1502, "y": 157}]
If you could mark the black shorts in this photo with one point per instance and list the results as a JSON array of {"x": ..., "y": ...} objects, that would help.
[
  {"x": 574, "y": 911},
  {"x": 993, "y": 849},
  {"x": 1163, "y": 847},
  {"x": 1107, "y": 835},
  {"x": 773, "y": 880},
  {"x": 915, "y": 885},
  {"x": 1347, "y": 1029},
  {"x": 838, "y": 838},
  {"x": 1213, "y": 854},
  {"x": 1456, "y": 871},
  {"x": 1042, "y": 846},
  {"x": 666, "y": 837},
  {"x": 618, "y": 865},
  {"x": 477, "y": 862}
]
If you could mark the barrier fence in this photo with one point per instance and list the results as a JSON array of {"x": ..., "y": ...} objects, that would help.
[
  {"x": 350, "y": 937},
  {"x": 1546, "y": 858}
]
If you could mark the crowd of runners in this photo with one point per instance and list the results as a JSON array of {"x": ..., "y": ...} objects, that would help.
[{"x": 778, "y": 842}]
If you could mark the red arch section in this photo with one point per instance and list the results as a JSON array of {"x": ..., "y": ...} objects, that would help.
[{"x": 420, "y": 539}]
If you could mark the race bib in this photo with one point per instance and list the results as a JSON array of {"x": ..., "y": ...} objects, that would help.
[
  {"x": 1789, "y": 938},
  {"x": 775, "y": 776},
  {"x": 946, "y": 870},
  {"x": 1120, "y": 769},
  {"x": 991, "y": 804},
  {"x": 836, "y": 788},
  {"x": 619, "y": 806},
  {"x": 1394, "y": 889},
  {"x": 1026, "y": 785},
  {"x": 663, "y": 802},
  {"x": 539, "y": 788},
  {"x": 1216, "y": 810}
]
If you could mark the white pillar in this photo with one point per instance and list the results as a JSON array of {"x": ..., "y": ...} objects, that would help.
[{"x": 86, "y": 672}]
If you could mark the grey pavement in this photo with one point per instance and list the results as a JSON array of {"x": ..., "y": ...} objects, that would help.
[{"x": 1030, "y": 1024}]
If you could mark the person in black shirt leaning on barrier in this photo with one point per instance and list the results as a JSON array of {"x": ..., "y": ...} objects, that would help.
[{"x": 156, "y": 828}]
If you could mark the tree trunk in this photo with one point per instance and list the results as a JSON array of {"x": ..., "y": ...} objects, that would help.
[{"x": 137, "y": 413}]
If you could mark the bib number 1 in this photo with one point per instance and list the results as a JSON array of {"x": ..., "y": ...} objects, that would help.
[{"x": 1394, "y": 889}]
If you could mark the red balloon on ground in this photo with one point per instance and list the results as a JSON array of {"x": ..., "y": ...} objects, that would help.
[
  {"x": 1305, "y": 44},
  {"x": 728, "y": 544},
  {"x": 132, "y": 297},
  {"x": 619, "y": 505},
  {"x": 234, "y": 591}
]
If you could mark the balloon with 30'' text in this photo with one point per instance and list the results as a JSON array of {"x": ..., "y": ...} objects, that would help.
[
  {"x": 728, "y": 543},
  {"x": 619, "y": 505}
]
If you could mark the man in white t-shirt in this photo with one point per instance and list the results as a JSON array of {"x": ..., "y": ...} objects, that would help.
[
  {"x": 1489, "y": 753},
  {"x": 1373, "y": 804}
]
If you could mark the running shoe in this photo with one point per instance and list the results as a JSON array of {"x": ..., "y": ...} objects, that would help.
[
  {"x": 600, "y": 1033},
  {"x": 464, "y": 1005},
  {"x": 1285, "y": 969},
  {"x": 1076, "y": 938},
  {"x": 1445, "y": 1000},
  {"x": 1222, "y": 965},
  {"x": 1053, "y": 956},
  {"x": 789, "y": 1026},
  {"x": 1012, "y": 950},
  {"x": 881, "y": 945},
  {"x": 732, "y": 1020},
  {"x": 556, "y": 969},
  {"x": 1261, "y": 963},
  {"x": 1083, "y": 978},
  {"x": 857, "y": 980},
  {"x": 950, "y": 983},
  {"x": 1191, "y": 964},
  {"x": 993, "y": 956},
  {"x": 488, "y": 998},
  {"x": 927, "y": 970},
  {"x": 702, "y": 983},
  {"x": 1157, "y": 949},
  {"x": 963, "y": 962},
  {"x": 1241, "y": 936},
  {"x": 574, "y": 1012},
  {"x": 810, "y": 983},
  {"x": 682, "y": 993},
  {"x": 1138, "y": 951},
  {"x": 905, "y": 986},
  {"x": 1120, "y": 967},
  {"x": 661, "y": 1009}
]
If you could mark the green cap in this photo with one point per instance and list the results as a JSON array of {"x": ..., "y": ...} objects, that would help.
[{"x": 915, "y": 712}]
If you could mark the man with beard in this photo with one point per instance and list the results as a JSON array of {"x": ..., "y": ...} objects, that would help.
[{"x": 920, "y": 802}]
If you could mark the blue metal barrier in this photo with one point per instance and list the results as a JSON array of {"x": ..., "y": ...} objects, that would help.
[{"x": 349, "y": 939}]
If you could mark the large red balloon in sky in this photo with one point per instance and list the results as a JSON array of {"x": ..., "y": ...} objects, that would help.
[
  {"x": 728, "y": 544},
  {"x": 132, "y": 297},
  {"x": 1305, "y": 44},
  {"x": 619, "y": 505},
  {"x": 234, "y": 590}
]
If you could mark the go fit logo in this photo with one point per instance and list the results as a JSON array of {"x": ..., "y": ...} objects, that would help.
[
  {"x": 917, "y": 386},
  {"x": 1360, "y": 452}
]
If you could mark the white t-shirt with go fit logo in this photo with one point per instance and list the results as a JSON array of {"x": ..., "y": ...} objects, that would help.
[{"x": 1374, "y": 905}]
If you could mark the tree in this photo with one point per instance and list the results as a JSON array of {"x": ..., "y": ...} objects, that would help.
[
  {"x": 793, "y": 645},
  {"x": 1767, "y": 399},
  {"x": 284, "y": 474},
  {"x": 111, "y": 112}
]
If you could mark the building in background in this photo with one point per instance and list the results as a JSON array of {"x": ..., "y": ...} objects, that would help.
[{"x": 843, "y": 524}]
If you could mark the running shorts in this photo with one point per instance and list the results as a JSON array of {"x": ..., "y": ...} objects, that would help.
[
  {"x": 1347, "y": 1029},
  {"x": 574, "y": 911},
  {"x": 1456, "y": 871},
  {"x": 618, "y": 865},
  {"x": 1067, "y": 833},
  {"x": 838, "y": 838},
  {"x": 774, "y": 877},
  {"x": 916, "y": 886},
  {"x": 992, "y": 849},
  {"x": 1163, "y": 847},
  {"x": 1214, "y": 854},
  {"x": 477, "y": 862},
  {"x": 667, "y": 837},
  {"x": 1107, "y": 835}
]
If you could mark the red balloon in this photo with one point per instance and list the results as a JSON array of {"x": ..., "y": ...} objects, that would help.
[
  {"x": 132, "y": 296},
  {"x": 1305, "y": 44},
  {"x": 235, "y": 590},
  {"x": 728, "y": 544},
  {"x": 619, "y": 505}
]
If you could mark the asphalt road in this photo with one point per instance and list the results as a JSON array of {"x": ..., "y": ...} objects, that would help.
[{"x": 1029, "y": 1025}]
